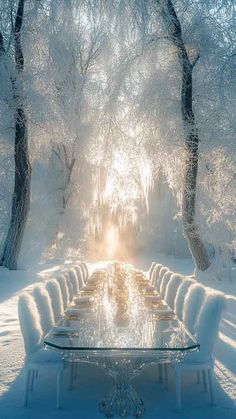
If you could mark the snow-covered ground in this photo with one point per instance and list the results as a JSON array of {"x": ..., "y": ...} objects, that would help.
[{"x": 92, "y": 385}]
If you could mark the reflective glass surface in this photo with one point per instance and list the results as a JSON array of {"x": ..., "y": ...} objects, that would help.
[{"x": 119, "y": 311}]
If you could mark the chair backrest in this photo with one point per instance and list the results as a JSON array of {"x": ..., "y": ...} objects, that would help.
[
  {"x": 80, "y": 276},
  {"x": 172, "y": 287},
  {"x": 192, "y": 304},
  {"x": 54, "y": 291},
  {"x": 86, "y": 271},
  {"x": 74, "y": 280},
  {"x": 69, "y": 286},
  {"x": 155, "y": 274},
  {"x": 29, "y": 323},
  {"x": 43, "y": 302},
  {"x": 180, "y": 297},
  {"x": 83, "y": 272},
  {"x": 164, "y": 283},
  {"x": 208, "y": 322},
  {"x": 64, "y": 290},
  {"x": 150, "y": 270},
  {"x": 159, "y": 277}
]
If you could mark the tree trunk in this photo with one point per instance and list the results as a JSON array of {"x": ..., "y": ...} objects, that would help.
[
  {"x": 21, "y": 194},
  {"x": 196, "y": 246}
]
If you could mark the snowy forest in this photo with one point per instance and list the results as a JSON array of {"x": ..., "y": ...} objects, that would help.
[
  {"x": 117, "y": 119},
  {"x": 117, "y": 209}
]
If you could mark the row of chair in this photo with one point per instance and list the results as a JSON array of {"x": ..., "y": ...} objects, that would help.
[
  {"x": 41, "y": 309},
  {"x": 200, "y": 309}
]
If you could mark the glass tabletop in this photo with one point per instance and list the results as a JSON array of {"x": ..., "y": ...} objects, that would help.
[{"x": 119, "y": 312}]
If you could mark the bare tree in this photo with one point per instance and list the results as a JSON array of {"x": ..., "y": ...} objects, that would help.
[
  {"x": 82, "y": 63},
  {"x": 67, "y": 161},
  {"x": 21, "y": 193},
  {"x": 187, "y": 64}
]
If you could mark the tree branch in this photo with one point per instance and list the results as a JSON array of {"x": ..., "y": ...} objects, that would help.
[
  {"x": 17, "y": 36},
  {"x": 2, "y": 48},
  {"x": 195, "y": 60}
]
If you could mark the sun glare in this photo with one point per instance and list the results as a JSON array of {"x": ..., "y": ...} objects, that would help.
[
  {"x": 111, "y": 241},
  {"x": 121, "y": 184}
]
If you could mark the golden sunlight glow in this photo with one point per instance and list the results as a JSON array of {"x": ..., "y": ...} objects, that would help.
[
  {"x": 128, "y": 181},
  {"x": 111, "y": 241},
  {"x": 120, "y": 192},
  {"x": 112, "y": 245}
]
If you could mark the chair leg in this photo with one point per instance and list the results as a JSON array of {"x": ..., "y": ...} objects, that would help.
[
  {"x": 166, "y": 375},
  {"x": 75, "y": 370},
  {"x": 209, "y": 372},
  {"x": 178, "y": 388},
  {"x": 71, "y": 385},
  {"x": 27, "y": 386},
  {"x": 198, "y": 377},
  {"x": 33, "y": 374},
  {"x": 59, "y": 382},
  {"x": 204, "y": 378},
  {"x": 160, "y": 371}
]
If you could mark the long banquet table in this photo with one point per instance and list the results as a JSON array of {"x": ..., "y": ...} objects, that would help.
[{"x": 118, "y": 321}]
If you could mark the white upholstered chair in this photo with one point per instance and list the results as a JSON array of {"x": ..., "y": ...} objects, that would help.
[
  {"x": 172, "y": 288},
  {"x": 74, "y": 280},
  {"x": 37, "y": 358},
  {"x": 64, "y": 290},
  {"x": 54, "y": 292},
  {"x": 155, "y": 274},
  {"x": 159, "y": 277},
  {"x": 85, "y": 266},
  {"x": 180, "y": 297},
  {"x": 43, "y": 302},
  {"x": 80, "y": 276},
  {"x": 84, "y": 273},
  {"x": 164, "y": 283},
  {"x": 150, "y": 271},
  {"x": 69, "y": 286},
  {"x": 206, "y": 332},
  {"x": 192, "y": 304}
]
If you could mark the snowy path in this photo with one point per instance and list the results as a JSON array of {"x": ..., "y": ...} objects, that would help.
[{"x": 92, "y": 385}]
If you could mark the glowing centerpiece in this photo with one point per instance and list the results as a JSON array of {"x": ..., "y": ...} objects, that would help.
[
  {"x": 121, "y": 296},
  {"x": 123, "y": 304}
]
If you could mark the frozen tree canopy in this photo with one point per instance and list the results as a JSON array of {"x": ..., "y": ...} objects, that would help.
[{"x": 125, "y": 109}]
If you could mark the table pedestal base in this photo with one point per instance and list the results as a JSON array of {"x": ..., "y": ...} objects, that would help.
[{"x": 123, "y": 399}]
